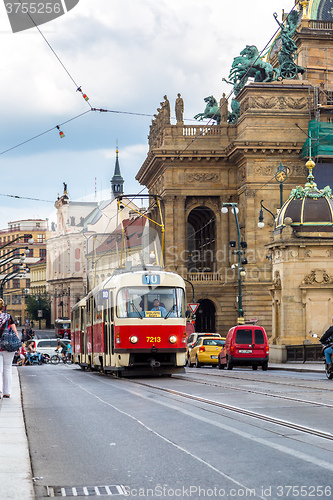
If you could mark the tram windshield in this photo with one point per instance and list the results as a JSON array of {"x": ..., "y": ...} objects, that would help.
[{"x": 161, "y": 302}]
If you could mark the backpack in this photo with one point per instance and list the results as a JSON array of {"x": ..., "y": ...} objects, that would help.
[{"x": 9, "y": 340}]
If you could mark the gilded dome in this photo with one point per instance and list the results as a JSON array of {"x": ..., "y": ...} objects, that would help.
[{"x": 310, "y": 208}]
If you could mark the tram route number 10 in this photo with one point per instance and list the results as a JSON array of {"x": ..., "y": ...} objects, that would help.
[{"x": 151, "y": 279}]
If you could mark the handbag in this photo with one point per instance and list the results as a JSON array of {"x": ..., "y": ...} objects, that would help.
[{"x": 9, "y": 340}]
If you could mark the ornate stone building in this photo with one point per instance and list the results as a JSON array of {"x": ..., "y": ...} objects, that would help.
[{"x": 196, "y": 168}]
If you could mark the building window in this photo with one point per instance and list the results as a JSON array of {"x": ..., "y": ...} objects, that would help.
[
  {"x": 40, "y": 238},
  {"x": 42, "y": 253},
  {"x": 26, "y": 238},
  {"x": 16, "y": 283},
  {"x": 16, "y": 299},
  {"x": 27, "y": 283}
]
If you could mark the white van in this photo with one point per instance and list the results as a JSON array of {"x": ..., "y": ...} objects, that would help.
[{"x": 47, "y": 346}]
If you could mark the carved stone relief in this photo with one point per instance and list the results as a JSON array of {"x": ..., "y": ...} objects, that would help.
[
  {"x": 263, "y": 170},
  {"x": 317, "y": 276},
  {"x": 300, "y": 170},
  {"x": 277, "y": 280},
  {"x": 202, "y": 177},
  {"x": 275, "y": 103},
  {"x": 242, "y": 174}
]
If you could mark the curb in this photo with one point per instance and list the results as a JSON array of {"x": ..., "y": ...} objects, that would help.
[{"x": 15, "y": 473}]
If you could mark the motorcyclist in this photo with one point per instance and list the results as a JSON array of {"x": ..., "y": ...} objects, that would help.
[{"x": 327, "y": 341}]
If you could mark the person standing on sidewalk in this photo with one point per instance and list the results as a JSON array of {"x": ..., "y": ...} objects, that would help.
[
  {"x": 327, "y": 340},
  {"x": 6, "y": 358}
]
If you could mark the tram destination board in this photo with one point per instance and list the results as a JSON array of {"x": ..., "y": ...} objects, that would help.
[{"x": 151, "y": 279}]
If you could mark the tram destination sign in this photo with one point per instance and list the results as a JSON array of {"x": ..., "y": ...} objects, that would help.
[{"x": 151, "y": 279}]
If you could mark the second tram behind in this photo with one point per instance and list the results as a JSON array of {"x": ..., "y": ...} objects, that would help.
[
  {"x": 116, "y": 329},
  {"x": 62, "y": 328}
]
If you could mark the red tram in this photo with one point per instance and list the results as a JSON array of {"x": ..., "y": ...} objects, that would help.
[
  {"x": 120, "y": 328},
  {"x": 62, "y": 328}
]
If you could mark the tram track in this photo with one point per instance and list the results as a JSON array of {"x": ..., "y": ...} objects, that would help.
[
  {"x": 252, "y": 391},
  {"x": 242, "y": 411}
]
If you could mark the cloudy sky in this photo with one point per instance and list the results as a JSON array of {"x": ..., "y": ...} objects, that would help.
[{"x": 126, "y": 55}]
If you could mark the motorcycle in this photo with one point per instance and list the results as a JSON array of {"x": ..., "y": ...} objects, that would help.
[{"x": 328, "y": 370}]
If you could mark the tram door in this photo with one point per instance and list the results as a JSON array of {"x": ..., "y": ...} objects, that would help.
[
  {"x": 83, "y": 332},
  {"x": 108, "y": 330}
]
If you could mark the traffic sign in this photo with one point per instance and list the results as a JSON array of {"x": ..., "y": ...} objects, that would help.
[{"x": 193, "y": 307}]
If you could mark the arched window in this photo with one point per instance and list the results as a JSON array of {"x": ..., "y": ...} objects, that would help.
[{"x": 201, "y": 229}]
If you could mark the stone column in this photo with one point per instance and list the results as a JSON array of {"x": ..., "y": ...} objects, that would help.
[
  {"x": 180, "y": 235},
  {"x": 169, "y": 224}
]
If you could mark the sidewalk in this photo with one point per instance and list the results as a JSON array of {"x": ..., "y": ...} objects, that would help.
[
  {"x": 299, "y": 367},
  {"x": 15, "y": 471}
]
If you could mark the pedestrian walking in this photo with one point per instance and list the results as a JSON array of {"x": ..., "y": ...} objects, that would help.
[{"x": 6, "y": 358}]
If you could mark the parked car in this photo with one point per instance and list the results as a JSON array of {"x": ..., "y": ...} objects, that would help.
[
  {"x": 193, "y": 338},
  {"x": 206, "y": 351},
  {"x": 48, "y": 346},
  {"x": 245, "y": 345}
]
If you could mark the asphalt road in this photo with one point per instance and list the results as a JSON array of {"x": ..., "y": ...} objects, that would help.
[{"x": 149, "y": 437}]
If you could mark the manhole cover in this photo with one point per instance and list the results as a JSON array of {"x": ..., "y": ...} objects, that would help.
[{"x": 87, "y": 491}]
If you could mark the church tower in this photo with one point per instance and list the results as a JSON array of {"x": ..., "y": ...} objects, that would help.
[{"x": 117, "y": 181}]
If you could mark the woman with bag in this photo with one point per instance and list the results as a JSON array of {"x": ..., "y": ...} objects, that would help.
[{"x": 6, "y": 357}]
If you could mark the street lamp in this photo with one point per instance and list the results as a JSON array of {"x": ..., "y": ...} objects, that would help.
[
  {"x": 261, "y": 223},
  {"x": 241, "y": 260},
  {"x": 29, "y": 236},
  {"x": 10, "y": 276}
]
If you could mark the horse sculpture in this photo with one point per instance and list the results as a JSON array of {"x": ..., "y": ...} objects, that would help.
[
  {"x": 211, "y": 110},
  {"x": 249, "y": 64}
]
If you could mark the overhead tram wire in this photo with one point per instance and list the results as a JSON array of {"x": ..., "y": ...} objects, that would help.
[
  {"x": 45, "y": 132},
  {"x": 25, "y": 198},
  {"x": 78, "y": 87}
]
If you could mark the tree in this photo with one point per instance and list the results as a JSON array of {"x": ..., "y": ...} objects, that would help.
[{"x": 37, "y": 303}]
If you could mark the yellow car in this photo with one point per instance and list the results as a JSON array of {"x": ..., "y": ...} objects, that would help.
[{"x": 206, "y": 351}]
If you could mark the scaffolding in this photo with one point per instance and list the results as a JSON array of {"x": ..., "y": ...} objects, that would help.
[{"x": 319, "y": 141}]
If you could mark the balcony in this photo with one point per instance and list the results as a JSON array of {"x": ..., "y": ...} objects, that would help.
[{"x": 205, "y": 277}]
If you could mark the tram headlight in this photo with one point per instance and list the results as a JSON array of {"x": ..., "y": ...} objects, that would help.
[
  {"x": 134, "y": 339},
  {"x": 173, "y": 339}
]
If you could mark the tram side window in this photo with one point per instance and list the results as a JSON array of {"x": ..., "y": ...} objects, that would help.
[{"x": 136, "y": 302}]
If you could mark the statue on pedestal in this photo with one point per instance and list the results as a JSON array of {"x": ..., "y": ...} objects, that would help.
[{"x": 179, "y": 109}]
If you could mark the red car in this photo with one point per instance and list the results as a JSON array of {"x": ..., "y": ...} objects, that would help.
[{"x": 245, "y": 345}]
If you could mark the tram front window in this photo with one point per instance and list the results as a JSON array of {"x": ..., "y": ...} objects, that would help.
[{"x": 138, "y": 302}]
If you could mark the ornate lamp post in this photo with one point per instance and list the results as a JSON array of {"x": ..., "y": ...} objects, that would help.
[
  {"x": 261, "y": 223},
  {"x": 280, "y": 176},
  {"x": 239, "y": 252},
  {"x": 10, "y": 276},
  {"x": 29, "y": 236}
]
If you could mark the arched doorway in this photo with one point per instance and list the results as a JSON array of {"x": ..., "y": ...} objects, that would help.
[
  {"x": 205, "y": 316},
  {"x": 201, "y": 239}
]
